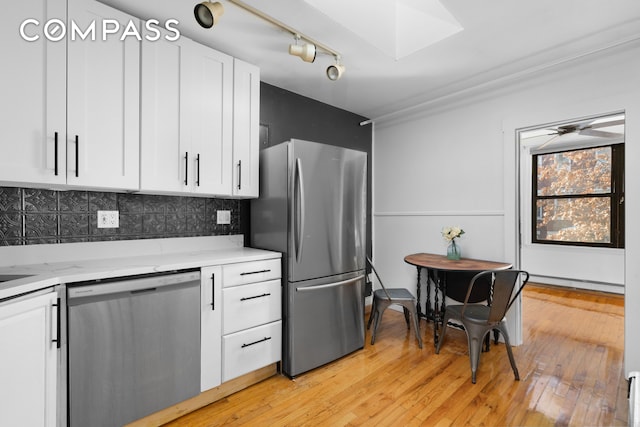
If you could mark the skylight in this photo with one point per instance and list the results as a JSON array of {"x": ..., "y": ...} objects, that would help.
[{"x": 396, "y": 27}]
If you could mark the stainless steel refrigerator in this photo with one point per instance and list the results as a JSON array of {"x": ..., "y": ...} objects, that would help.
[{"x": 312, "y": 208}]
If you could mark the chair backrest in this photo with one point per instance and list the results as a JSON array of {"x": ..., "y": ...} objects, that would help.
[
  {"x": 503, "y": 295},
  {"x": 379, "y": 279}
]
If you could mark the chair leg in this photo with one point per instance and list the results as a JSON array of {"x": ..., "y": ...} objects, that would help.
[
  {"x": 475, "y": 347},
  {"x": 503, "y": 329},
  {"x": 381, "y": 306},
  {"x": 376, "y": 320},
  {"x": 444, "y": 330},
  {"x": 373, "y": 311},
  {"x": 410, "y": 310},
  {"x": 416, "y": 324},
  {"x": 406, "y": 316}
]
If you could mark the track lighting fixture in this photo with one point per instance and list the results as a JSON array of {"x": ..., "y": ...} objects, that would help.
[
  {"x": 335, "y": 71},
  {"x": 307, "y": 51},
  {"x": 208, "y": 13}
]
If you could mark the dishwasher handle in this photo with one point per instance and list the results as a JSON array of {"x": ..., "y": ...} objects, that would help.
[{"x": 131, "y": 285}]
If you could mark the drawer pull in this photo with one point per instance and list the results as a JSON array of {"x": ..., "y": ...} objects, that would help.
[
  {"x": 57, "y": 311},
  {"x": 55, "y": 153},
  {"x": 255, "y": 272},
  {"x": 213, "y": 291},
  {"x": 77, "y": 155},
  {"x": 254, "y": 297},
  {"x": 256, "y": 342}
]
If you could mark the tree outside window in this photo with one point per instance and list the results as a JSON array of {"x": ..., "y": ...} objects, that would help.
[{"x": 578, "y": 197}]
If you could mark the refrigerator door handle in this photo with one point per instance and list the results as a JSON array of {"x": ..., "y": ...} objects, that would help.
[
  {"x": 330, "y": 285},
  {"x": 299, "y": 210}
]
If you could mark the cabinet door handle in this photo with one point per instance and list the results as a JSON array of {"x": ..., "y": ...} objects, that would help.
[
  {"x": 254, "y": 297},
  {"x": 56, "y": 310},
  {"x": 77, "y": 154},
  {"x": 213, "y": 292},
  {"x": 255, "y": 272},
  {"x": 198, "y": 170},
  {"x": 256, "y": 342},
  {"x": 239, "y": 174},
  {"x": 186, "y": 168},
  {"x": 55, "y": 153}
]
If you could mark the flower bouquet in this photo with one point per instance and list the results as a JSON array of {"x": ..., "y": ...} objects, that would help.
[{"x": 450, "y": 234}]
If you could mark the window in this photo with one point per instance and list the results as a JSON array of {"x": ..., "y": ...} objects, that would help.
[{"x": 578, "y": 197}]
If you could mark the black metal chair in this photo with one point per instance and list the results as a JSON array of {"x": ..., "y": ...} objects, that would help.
[
  {"x": 479, "y": 319},
  {"x": 384, "y": 297}
]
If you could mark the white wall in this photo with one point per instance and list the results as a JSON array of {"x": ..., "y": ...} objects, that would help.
[{"x": 455, "y": 163}]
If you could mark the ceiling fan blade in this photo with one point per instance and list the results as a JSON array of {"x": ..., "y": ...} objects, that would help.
[
  {"x": 599, "y": 133},
  {"x": 607, "y": 124},
  {"x": 548, "y": 141}
]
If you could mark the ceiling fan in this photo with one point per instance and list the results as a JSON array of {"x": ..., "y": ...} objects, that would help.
[{"x": 587, "y": 128}]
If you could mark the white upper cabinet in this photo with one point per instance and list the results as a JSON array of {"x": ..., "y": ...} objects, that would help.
[
  {"x": 246, "y": 127},
  {"x": 210, "y": 118},
  {"x": 120, "y": 111},
  {"x": 200, "y": 121},
  {"x": 163, "y": 109},
  {"x": 186, "y": 118},
  {"x": 33, "y": 87},
  {"x": 71, "y": 108},
  {"x": 103, "y": 119}
]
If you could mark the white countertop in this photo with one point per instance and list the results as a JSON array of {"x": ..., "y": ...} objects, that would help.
[{"x": 127, "y": 258}]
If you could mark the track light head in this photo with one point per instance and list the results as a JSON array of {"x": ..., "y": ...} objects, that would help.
[
  {"x": 207, "y": 14},
  {"x": 335, "y": 71},
  {"x": 307, "y": 51}
]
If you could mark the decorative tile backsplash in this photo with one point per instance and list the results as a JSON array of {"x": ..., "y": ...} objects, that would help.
[{"x": 33, "y": 216}]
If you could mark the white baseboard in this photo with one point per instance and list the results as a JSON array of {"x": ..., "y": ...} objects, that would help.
[{"x": 578, "y": 284}]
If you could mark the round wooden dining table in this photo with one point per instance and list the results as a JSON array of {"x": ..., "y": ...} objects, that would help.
[{"x": 436, "y": 266}]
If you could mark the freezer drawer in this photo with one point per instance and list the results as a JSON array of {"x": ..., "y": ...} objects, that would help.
[
  {"x": 251, "y": 305},
  {"x": 251, "y": 349},
  {"x": 324, "y": 322},
  {"x": 250, "y": 272}
]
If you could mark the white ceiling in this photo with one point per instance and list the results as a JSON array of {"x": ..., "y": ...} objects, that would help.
[{"x": 500, "y": 38}]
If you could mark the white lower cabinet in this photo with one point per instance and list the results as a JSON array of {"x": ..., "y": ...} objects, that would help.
[
  {"x": 28, "y": 361},
  {"x": 241, "y": 312},
  {"x": 252, "y": 326},
  {"x": 211, "y": 327},
  {"x": 250, "y": 305},
  {"x": 251, "y": 349}
]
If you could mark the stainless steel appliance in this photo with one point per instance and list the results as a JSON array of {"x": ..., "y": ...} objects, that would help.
[
  {"x": 312, "y": 208},
  {"x": 133, "y": 347}
]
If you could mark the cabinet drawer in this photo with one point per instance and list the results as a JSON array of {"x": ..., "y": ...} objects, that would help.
[
  {"x": 251, "y": 349},
  {"x": 251, "y": 305},
  {"x": 250, "y": 272}
]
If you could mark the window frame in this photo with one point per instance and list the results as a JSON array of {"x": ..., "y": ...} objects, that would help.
[{"x": 616, "y": 197}]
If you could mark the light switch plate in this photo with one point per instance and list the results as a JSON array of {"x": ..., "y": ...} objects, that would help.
[
  {"x": 224, "y": 217},
  {"x": 108, "y": 219}
]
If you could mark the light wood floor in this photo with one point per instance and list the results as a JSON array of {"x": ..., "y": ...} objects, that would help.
[{"x": 571, "y": 372}]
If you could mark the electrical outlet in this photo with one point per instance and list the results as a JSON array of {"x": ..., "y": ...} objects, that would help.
[
  {"x": 108, "y": 219},
  {"x": 224, "y": 217}
]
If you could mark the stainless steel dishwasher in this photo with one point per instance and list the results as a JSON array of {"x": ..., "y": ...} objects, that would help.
[{"x": 133, "y": 346}]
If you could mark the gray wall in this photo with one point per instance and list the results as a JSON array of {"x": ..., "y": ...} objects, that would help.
[{"x": 285, "y": 115}]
